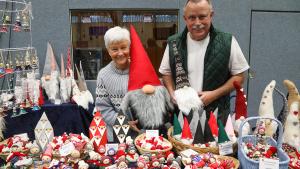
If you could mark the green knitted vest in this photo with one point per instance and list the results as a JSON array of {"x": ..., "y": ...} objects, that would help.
[{"x": 216, "y": 62}]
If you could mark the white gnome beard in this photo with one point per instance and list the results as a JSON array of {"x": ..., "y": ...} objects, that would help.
[
  {"x": 63, "y": 90},
  {"x": 81, "y": 98},
  {"x": 54, "y": 87},
  {"x": 246, "y": 128},
  {"x": 149, "y": 109},
  {"x": 46, "y": 85},
  {"x": 187, "y": 99},
  {"x": 69, "y": 86},
  {"x": 36, "y": 91}
]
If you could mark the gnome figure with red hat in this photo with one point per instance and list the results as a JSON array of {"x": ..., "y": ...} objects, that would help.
[
  {"x": 240, "y": 109},
  {"x": 147, "y": 97}
]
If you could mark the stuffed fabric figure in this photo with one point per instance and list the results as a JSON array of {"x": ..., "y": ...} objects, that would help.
[{"x": 266, "y": 108}]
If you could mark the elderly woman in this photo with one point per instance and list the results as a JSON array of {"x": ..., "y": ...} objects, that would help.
[{"x": 112, "y": 80}]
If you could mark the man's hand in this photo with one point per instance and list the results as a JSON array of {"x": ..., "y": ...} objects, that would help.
[
  {"x": 133, "y": 125},
  {"x": 173, "y": 99},
  {"x": 207, "y": 97}
]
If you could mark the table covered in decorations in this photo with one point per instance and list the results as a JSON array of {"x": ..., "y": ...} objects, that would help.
[{"x": 64, "y": 118}]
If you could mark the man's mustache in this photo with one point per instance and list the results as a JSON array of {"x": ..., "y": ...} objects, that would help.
[{"x": 198, "y": 26}]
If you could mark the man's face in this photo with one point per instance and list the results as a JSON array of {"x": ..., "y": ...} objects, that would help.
[{"x": 198, "y": 18}]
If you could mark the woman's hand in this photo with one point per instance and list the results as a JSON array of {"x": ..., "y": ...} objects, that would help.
[{"x": 133, "y": 125}]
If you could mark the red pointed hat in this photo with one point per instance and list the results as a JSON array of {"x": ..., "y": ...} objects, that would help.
[
  {"x": 141, "y": 71},
  {"x": 240, "y": 101},
  {"x": 186, "y": 131},
  {"x": 212, "y": 122}
]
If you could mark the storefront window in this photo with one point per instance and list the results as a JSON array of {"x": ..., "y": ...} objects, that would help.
[{"x": 88, "y": 28}]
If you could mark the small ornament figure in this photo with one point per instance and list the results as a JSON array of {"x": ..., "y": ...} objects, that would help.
[
  {"x": 82, "y": 165},
  {"x": 25, "y": 22},
  {"x": 260, "y": 133},
  {"x": 94, "y": 159},
  {"x": 34, "y": 151},
  {"x": 101, "y": 150},
  {"x": 18, "y": 66},
  {"x": 111, "y": 153},
  {"x": 141, "y": 164},
  {"x": 155, "y": 164},
  {"x": 105, "y": 162},
  {"x": 75, "y": 157},
  {"x": 132, "y": 157},
  {"x": 122, "y": 165},
  {"x": 17, "y": 26},
  {"x": 27, "y": 61},
  {"x": 2, "y": 69},
  {"x": 5, "y": 21}
]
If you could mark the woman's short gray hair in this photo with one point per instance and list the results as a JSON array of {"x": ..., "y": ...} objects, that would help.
[{"x": 116, "y": 34}]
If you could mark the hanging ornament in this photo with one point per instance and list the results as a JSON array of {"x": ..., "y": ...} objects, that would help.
[
  {"x": 8, "y": 65},
  {"x": 27, "y": 61},
  {"x": 2, "y": 68},
  {"x": 17, "y": 25},
  {"x": 34, "y": 60},
  {"x": 25, "y": 22},
  {"x": 18, "y": 66},
  {"x": 5, "y": 21}
]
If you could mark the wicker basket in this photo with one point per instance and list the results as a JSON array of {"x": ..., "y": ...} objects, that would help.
[
  {"x": 179, "y": 146},
  {"x": 248, "y": 163},
  {"x": 142, "y": 150}
]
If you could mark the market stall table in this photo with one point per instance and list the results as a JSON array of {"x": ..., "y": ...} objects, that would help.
[{"x": 64, "y": 118}]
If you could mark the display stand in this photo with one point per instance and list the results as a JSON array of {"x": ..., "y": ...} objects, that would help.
[{"x": 19, "y": 66}]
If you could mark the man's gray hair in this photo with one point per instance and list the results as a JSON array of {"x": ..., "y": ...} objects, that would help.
[
  {"x": 197, "y": 1},
  {"x": 116, "y": 34}
]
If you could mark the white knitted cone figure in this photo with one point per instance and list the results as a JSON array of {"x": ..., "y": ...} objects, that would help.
[
  {"x": 266, "y": 108},
  {"x": 80, "y": 93},
  {"x": 50, "y": 76},
  {"x": 291, "y": 134},
  {"x": 87, "y": 94},
  {"x": 63, "y": 82},
  {"x": 229, "y": 129}
]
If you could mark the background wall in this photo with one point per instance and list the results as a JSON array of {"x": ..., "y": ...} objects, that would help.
[{"x": 268, "y": 32}]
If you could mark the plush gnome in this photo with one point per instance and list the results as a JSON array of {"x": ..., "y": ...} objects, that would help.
[
  {"x": 84, "y": 97},
  {"x": 147, "y": 98},
  {"x": 291, "y": 134},
  {"x": 266, "y": 108},
  {"x": 69, "y": 75},
  {"x": 50, "y": 76},
  {"x": 186, "y": 135},
  {"x": 65, "y": 98},
  {"x": 240, "y": 109},
  {"x": 186, "y": 97},
  {"x": 293, "y": 93},
  {"x": 212, "y": 122},
  {"x": 222, "y": 135},
  {"x": 229, "y": 129}
]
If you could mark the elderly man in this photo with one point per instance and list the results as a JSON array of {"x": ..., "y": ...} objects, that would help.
[{"x": 211, "y": 59}]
